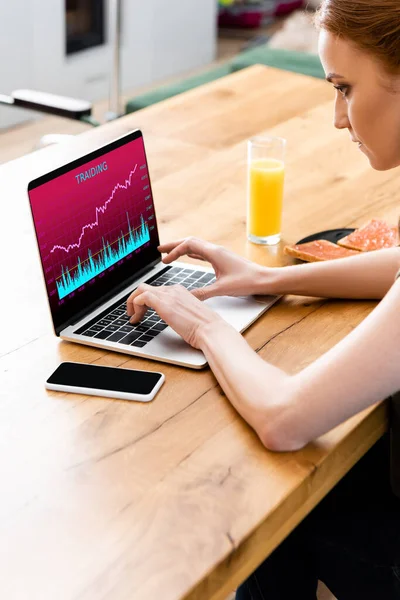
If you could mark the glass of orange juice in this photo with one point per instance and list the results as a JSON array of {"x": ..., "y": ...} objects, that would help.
[{"x": 266, "y": 174}]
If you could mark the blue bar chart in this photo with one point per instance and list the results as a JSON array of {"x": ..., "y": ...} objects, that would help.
[{"x": 95, "y": 263}]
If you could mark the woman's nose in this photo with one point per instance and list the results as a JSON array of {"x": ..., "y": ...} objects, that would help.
[{"x": 341, "y": 119}]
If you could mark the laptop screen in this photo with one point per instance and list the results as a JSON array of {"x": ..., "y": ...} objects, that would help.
[{"x": 95, "y": 225}]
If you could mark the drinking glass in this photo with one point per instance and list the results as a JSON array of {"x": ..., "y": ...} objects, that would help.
[{"x": 266, "y": 174}]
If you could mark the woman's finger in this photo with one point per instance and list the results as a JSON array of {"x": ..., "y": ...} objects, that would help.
[
  {"x": 190, "y": 246},
  {"x": 194, "y": 256},
  {"x": 207, "y": 292},
  {"x": 141, "y": 304},
  {"x": 164, "y": 248},
  {"x": 137, "y": 292}
]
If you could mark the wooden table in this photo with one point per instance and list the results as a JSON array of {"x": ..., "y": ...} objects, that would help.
[{"x": 175, "y": 499}]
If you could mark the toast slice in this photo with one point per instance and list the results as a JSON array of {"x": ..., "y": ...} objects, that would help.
[
  {"x": 318, "y": 250},
  {"x": 374, "y": 235}
]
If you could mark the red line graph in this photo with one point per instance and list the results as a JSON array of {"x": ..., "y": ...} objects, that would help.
[{"x": 100, "y": 209}]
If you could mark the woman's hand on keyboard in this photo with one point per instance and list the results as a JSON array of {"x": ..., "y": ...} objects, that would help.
[
  {"x": 235, "y": 276},
  {"x": 176, "y": 306}
]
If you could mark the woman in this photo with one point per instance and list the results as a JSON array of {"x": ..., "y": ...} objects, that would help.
[{"x": 351, "y": 541}]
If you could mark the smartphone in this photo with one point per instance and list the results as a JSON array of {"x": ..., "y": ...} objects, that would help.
[{"x": 111, "y": 382}]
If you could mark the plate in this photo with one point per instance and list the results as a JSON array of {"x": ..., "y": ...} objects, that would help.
[{"x": 332, "y": 235}]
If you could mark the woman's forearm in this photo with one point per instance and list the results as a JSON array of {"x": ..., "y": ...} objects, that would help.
[
  {"x": 256, "y": 389},
  {"x": 367, "y": 276},
  {"x": 288, "y": 411}
]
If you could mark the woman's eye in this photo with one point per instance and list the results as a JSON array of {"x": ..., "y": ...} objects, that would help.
[{"x": 343, "y": 89}]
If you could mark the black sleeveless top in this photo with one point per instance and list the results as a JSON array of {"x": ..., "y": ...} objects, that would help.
[{"x": 395, "y": 439}]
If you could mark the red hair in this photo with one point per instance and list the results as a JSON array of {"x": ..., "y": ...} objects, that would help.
[{"x": 372, "y": 25}]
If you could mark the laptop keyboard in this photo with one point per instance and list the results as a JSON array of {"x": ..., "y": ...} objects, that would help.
[{"x": 113, "y": 325}]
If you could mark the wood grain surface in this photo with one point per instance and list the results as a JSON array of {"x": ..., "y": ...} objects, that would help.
[{"x": 176, "y": 499}]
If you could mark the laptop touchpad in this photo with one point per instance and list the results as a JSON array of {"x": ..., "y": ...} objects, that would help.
[{"x": 239, "y": 312}]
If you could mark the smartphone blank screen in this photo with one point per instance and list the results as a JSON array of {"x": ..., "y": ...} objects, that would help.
[{"x": 105, "y": 378}]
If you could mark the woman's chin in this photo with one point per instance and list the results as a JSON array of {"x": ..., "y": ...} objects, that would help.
[{"x": 380, "y": 164}]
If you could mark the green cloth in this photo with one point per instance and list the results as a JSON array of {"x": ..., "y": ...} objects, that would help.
[
  {"x": 287, "y": 60},
  {"x": 168, "y": 91}
]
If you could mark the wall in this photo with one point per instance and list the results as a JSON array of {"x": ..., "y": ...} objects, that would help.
[
  {"x": 16, "y": 59},
  {"x": 159, "y": 39}
]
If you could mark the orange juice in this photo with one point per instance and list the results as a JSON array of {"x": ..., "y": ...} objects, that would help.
[{"x": 266, "y": 178}]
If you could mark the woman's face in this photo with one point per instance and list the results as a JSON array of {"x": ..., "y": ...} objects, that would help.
[{"x": 367, "y": 100}]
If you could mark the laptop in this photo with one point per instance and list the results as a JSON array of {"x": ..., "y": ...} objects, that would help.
[{"x": 97, "y": 236}]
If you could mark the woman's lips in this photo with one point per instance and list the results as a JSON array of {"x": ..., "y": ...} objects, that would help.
[{"x": 359, "y": 144}]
